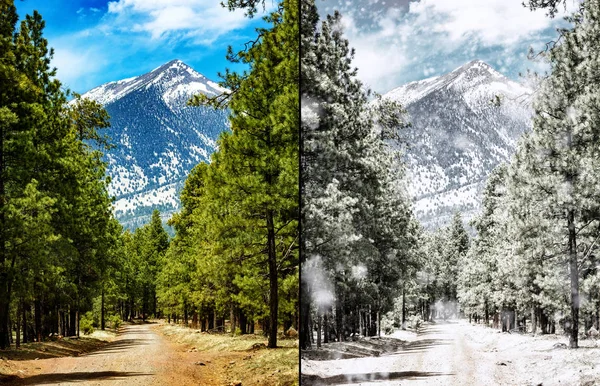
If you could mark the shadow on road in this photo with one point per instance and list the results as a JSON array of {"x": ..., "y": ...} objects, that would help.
[
  {"x": 422, "y": 345},
  {"x": 369, "y": 377},
  {"x": 372, "y": 348},
  {"x": 118, "y": 346},
  {"x": 58, "y": 378}
]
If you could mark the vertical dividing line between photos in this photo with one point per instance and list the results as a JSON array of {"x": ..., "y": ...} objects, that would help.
[{"x": 300, "y": 184}]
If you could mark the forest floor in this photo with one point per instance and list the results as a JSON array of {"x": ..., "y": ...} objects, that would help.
[
  {"x": 453, "y": 353},
  {"x": 153, "y": 354}
]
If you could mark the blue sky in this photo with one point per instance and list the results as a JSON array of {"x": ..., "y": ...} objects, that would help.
[
  {"x": 98, "y": 41},
  {"x": 399, "y": 41}
]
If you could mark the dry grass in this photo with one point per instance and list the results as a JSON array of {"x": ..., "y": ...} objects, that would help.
[
  {"x": 238, "y": 358},
  {"x": 69, "y": 346},
  {"x": 54, "y": 348}
]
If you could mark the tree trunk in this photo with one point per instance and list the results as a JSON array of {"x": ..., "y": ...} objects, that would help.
[
  {"x": 403, "y": 307},
  {"x": 243, "y": 322},
  {"x": 131, "y": 308},
  {"x": 273, "y": 285},
  {"x": 4, "y": 276},
  {"x": 574, "y": 273},
  {"x": 487, "y": 313},
  {"x": 533, "y": 320},
  {"x": 232, "y": 319},
  {"x": 18, "y": 342},
  {"x": 38, "y": 319},
  {"x": 325, "y": 327},
  {"x": 155, "y": 311},
  {"x": 185, "y": 314},
  {"x": 102, "y": 325},
  {"x": 4, "y": 310},
  {"x": 318, "y": 328},
  {"x": 338, "y": 319},
  {"x": 360, "y": 323},
  {"x": 304, "y": 315},
  {"x": 145, "y": 303},
  {"x": 24, "y": 323},
  {"x": 195, "y": 320}
]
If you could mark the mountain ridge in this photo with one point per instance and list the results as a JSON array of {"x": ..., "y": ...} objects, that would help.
[
  {"x": 159, "y": 137},
  {"x": 458, "y": 136}
]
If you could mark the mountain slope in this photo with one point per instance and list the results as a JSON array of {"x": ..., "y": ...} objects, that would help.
[
  {"x": 159, "y": 139},
  {"x": 458, "y": 136}
]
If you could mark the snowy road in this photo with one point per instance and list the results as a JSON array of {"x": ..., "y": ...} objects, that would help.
[
  {"x": 456, "y": 353},
  {"x": 440, "y": 354}
]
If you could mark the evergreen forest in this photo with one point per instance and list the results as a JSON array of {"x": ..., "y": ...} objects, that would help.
[
  {"x": 528, "y": 262},
  {"x": 68, "y": 267}
]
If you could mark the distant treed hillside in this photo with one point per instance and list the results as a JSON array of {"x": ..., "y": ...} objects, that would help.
[
  {"x": 159, "y": 138},
  {"x": 458, "y": 136}
]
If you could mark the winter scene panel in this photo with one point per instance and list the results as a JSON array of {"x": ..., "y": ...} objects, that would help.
[{"x": 451, "y": 193}]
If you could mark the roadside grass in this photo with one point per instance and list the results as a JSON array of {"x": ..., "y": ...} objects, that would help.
[
  {"x": 244, "y": 358},
  {"x": 54, "y": 348},
  {"x": 51, "y": 348}
]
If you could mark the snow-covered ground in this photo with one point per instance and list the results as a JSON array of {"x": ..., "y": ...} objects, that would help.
[{"x": 453, "y": 353}]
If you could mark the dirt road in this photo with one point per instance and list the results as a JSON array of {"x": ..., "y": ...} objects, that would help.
[
  {"x": 455, "y": 353},
  {"x": 138, "y": 356}
]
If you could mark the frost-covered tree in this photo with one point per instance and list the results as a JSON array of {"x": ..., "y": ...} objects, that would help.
[
  {"x": 565, "y": 138},
  {"x": 355, "y": 214},
  {"x": 479, "y": 263},
  {"x": 541, "y": 238}
]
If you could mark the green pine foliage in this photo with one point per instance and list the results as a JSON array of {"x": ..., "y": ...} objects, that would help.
[
  {"x": 235, "y": 253},
  {"x": 57, "y": 233}
]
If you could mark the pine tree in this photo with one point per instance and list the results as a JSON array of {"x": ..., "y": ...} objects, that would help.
[
  {"x": 55, "y": 211},
  {"x": 356, "y": 238},
  {"x": 563, "y": 167},
  {"x": 256, "y": 167}
]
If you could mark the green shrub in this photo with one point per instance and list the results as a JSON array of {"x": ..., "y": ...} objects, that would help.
[
  {"x": 86, "y": 324},
  {"x": 115, "y": 321}
]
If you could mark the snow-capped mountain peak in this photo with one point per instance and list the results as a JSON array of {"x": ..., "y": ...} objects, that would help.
[
  {"x": 458, "y": 136},
  {"x": 175, "y": 79},
  {"x": 158, "y": 137},
  {"x": 475, "y": 77}
]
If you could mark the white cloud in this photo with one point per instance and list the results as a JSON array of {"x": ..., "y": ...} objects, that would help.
[
  {"x": 74, "y": 65},
  {"x": 163, "y": 18},
  {"x": 430, "y": 37},
  {"x": 491, "y": 21},
  {"x": 379, "y": 53}
]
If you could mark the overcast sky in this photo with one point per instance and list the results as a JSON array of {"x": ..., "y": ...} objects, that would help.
[
  {"x": 97, "y": 41},
  {"x": 399, "y": 41}
]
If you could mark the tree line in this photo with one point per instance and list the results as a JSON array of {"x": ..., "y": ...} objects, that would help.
[
  {"x": 539, "y": 229},
  {"x": 57, "y": 233},
  {"x": 235, "y": 252},
  {"x": 358, "y": 232}
]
